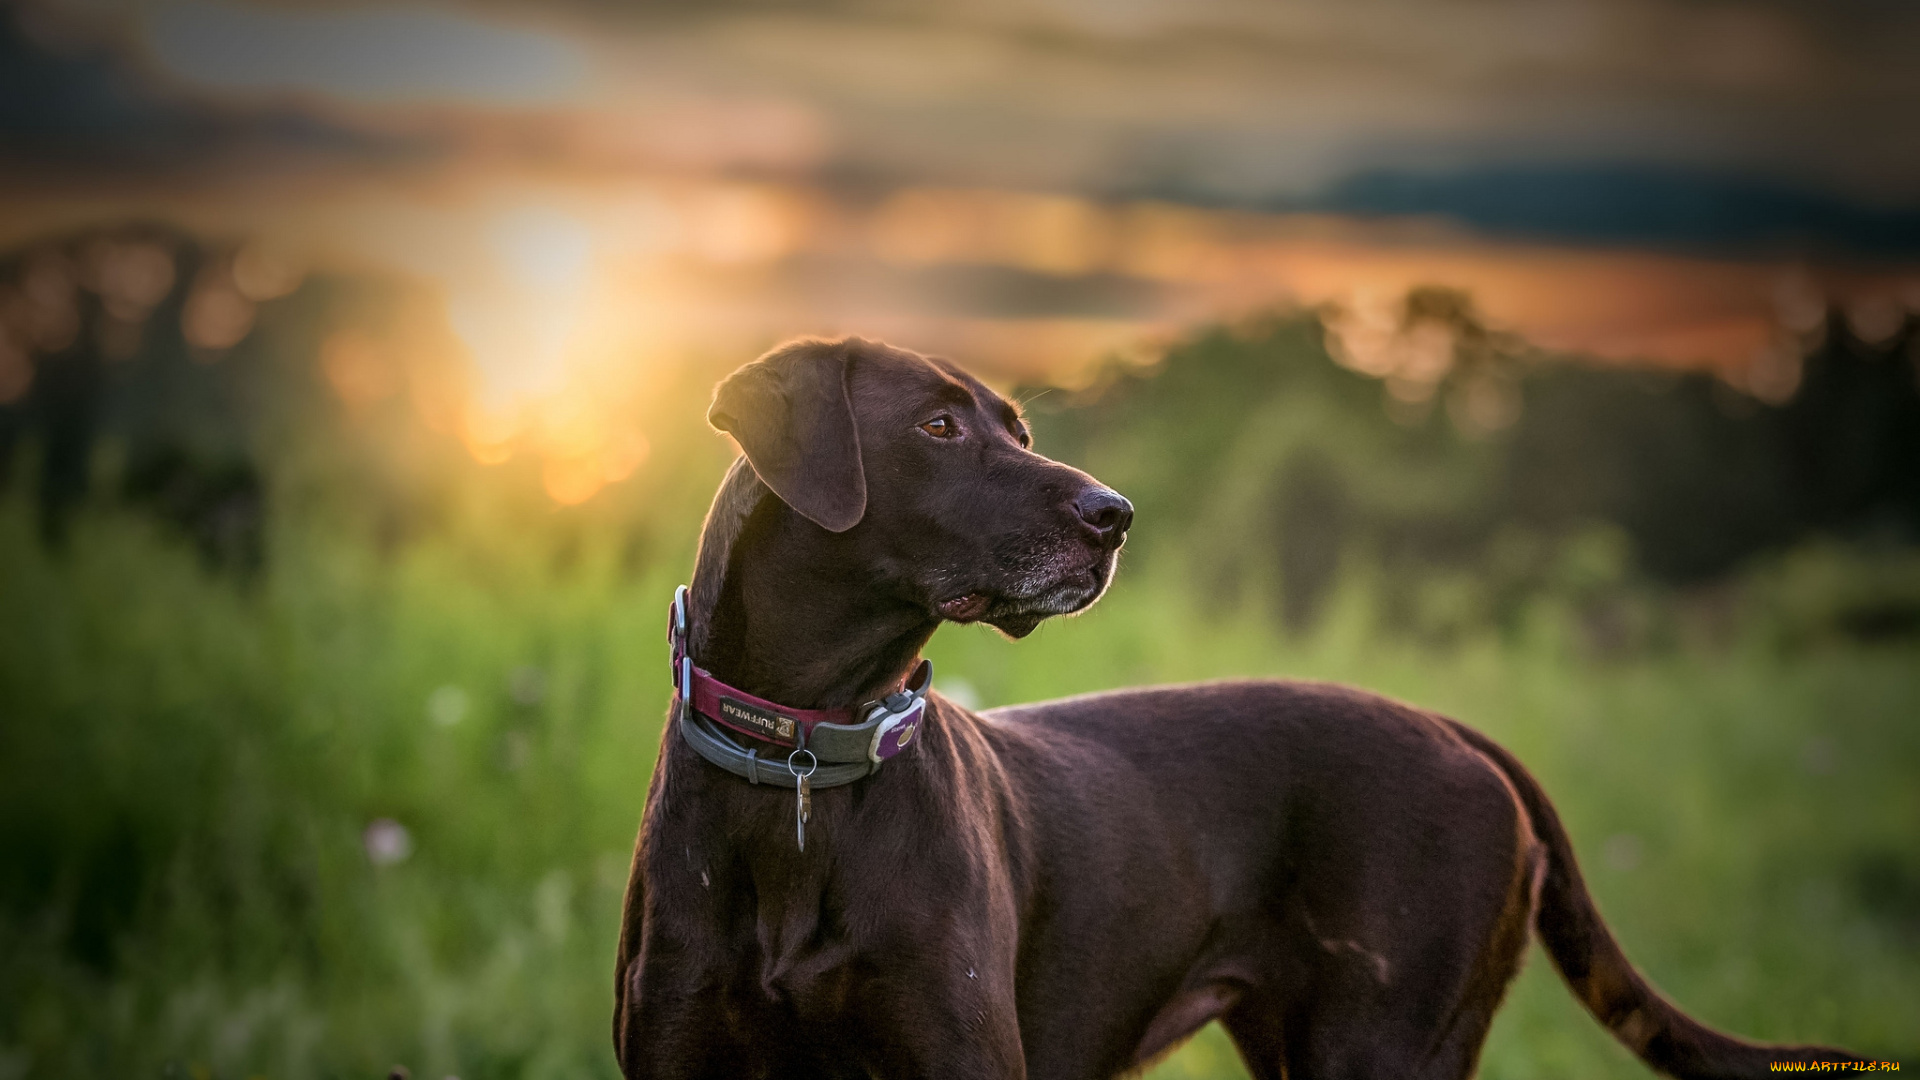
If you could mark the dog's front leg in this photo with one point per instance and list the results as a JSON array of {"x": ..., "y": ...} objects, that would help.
[
  {"x": 670, "y": 1014},
  {"x": 672, "y": 1027},
  {"x": 940, "y": 1004},
  {"x": 966, "y": 1038}
]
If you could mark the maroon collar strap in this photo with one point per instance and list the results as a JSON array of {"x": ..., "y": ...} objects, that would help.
[
  {"x": 756, "y": 716},
  {"x": 890, "y": 723}
]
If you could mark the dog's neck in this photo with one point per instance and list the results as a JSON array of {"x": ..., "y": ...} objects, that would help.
[{"x": 781, "y": 609}]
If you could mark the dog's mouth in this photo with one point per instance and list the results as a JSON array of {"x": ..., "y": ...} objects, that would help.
[
  {"x": 1016, "y": 611},
  {"x": 965, "y": 609}
]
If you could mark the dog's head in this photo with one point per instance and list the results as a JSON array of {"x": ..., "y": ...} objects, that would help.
[{"x": 928, "y": 477}]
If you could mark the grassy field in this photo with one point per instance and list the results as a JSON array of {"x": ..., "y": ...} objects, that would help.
[{"x": 195, "y": 773}]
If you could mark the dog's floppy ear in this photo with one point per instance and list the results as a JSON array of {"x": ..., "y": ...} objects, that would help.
[{"x": 790, "y": 412}]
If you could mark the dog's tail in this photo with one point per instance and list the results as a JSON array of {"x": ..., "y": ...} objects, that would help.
[{"x": 1668, "y": 1040}]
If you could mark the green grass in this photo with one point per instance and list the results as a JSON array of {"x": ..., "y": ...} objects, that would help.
[{"x": 188, "y": 767}]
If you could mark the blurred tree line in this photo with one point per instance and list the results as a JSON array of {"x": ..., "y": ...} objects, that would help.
[
  {"x": 1465, "y": 469},
  {"x": 93, "y": 347},
  {"x": 1479, "y": 458}
]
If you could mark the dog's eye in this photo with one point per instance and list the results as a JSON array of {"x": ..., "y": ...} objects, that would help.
[{"x": 941, "y": 427}]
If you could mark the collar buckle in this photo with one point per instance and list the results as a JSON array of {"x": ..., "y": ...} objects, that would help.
[
  {"x": 681, "y": 663},
  {"x": 897, "y": 719}
]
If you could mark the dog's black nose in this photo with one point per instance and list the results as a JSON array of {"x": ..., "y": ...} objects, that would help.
[{"x": 1108, "y": 512}]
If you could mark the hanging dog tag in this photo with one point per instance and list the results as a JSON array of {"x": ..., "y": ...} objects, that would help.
[
  {"x": 802, "y": 794},
  {"x": 805, "y": 810}
]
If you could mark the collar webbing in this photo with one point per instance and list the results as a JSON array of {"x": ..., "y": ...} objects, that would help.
[{"x": 845, "y": 747}]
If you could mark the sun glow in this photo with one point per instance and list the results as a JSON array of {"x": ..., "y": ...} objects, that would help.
[{"x": 531, "y": 316}]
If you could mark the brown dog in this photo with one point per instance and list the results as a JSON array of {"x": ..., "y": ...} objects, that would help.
[{"x": 1060, "y": 890}]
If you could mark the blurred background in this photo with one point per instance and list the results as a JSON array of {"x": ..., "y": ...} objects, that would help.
[{"x": 1554, "y": 365}]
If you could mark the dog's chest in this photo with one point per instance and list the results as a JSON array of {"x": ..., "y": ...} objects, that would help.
[{"x": 762, "y": 919}]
